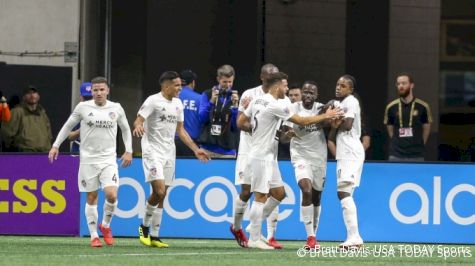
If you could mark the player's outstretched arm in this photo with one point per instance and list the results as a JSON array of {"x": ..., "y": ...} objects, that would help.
[
  {"x": 202, "y": 155},
  {"x": 331, "y": 113}
]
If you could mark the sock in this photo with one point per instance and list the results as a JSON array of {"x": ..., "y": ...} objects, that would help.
[
  {"x": 350, "y": 217},
  {"x": 316, "y": 217},
  {"x": 147, "y": 218},
  {"x": 272, "y": 222},
  {"x": 108, "y": 212},
  {"x": 156, "y": 221},
  {"x": 271, "y": 212},
  {"x": 239, "y": 209},
  {"x": 307, "y": 216},
  {"x": 91, "y": 218},
  {"x": 256, "y": 220}
]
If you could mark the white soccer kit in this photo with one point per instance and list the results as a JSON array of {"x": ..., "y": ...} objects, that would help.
[
  {"x": 245, "y": 139},
  {"x": 265, "y": 113},
  {"x": 98, "y": 131},
  {"x": 349, "y": 149},
  {"x": 308, "y": 151},
  {"x": 158, "y": 143}
]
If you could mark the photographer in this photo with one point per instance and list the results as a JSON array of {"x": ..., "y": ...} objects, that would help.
[{"x": 218, "y": 113}]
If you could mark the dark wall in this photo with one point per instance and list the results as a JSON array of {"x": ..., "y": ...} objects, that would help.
[
  {"x": 203, "y": 36},
  {"x": 54, "y": 88},
  {"x": 367, "y": 32}
]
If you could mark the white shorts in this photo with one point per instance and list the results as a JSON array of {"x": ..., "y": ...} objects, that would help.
[
  {"x": 316, "y": 174},
  {"x": 158, "y": 169},
  {"x": 349, "y": 171},
  {"x": 91, "y": 177},
  {"x": 265, "y": 175},
  {"x": 242, "y": 175}
]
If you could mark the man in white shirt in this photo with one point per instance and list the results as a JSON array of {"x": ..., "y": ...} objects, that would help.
[
  {"x": 241, "y": 202},
  {"x": 308, "y": 151},
  {"x": 350, "y": 157},
  {"x": 159, "y": 118},
  {"x": 99, "y": 119},
  {"x": 262, "y": 118}
]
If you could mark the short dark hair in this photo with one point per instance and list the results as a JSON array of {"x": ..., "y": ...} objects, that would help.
[
  {"x": 273, "y": 78},
  {"x": 295, "y": 85},
  {"x": 409, "y": 76},
  {"x": 310, "y": 82},
  {"x": 168, "y": 76},
  {"x": 351, "y": 80},
  {"x": 100, "y": 79}
]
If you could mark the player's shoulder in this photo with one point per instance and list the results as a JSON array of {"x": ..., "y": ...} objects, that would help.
[{"x": 177, "y": 101}]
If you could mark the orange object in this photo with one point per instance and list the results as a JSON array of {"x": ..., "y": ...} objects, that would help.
[{"x": 4, "y": 113}]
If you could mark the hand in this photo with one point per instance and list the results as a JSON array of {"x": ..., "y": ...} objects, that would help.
[
  {"x": 53, "y": 154},
  {"x": 291, "y": 134},
  {"x": 214, "y": 95},
  {"x": 126, "y": 159},
  {"x": 335, "y": 123},
  {"x": 139, "y": 131},
  {"x": 235, "y": 99},
  {"x": 334, "y": 112},
  {"x": 202, "y": 156},
  {"x": 245, "y": 102}
]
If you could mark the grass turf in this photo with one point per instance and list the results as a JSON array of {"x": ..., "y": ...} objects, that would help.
[{"x": 33, "y": 250}]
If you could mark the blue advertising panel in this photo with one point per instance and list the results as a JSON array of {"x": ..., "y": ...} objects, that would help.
[{"x": 396, "y": 203}]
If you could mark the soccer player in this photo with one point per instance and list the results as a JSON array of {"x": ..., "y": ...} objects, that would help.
[
  {"x": 308, "y": 151},
  {"x": 350, "y": 157},
  {"x": 241, "y": 202},
  {"x": 160, "y": 116},
  {"x": 262, "y": 118},
  {"x": 99, "y": 119}
]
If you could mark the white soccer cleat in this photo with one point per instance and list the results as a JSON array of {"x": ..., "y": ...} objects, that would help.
[
  {"x": 263, "y": 238},
  {"x": 258, "y": 244},
  {"x": 355, "y": 242}
]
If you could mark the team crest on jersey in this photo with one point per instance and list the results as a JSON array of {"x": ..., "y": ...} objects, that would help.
[
  {"x": 112, "y": 115},
  {"x": 153, "y": 172},
  {"x": 286, "y": 110}
]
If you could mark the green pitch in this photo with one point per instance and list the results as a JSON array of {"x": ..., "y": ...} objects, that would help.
[{"x": 32, "y": 250}]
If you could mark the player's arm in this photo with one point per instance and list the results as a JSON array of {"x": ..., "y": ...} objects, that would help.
[
  {"x": 331, "y": 142},
  {"x": 308, "y": 120},
  {"x": 74, "y": 135},
  {"x": 244, "y": 123},
  {"x": 425, "y": 132},
  {"x": 346, "y": 124},
  {"x": 138, "y": 126},
  {"x": 72, "y": 121},
  {"x": 202, "y": 155},
  {"x": 126, "y": 138}
]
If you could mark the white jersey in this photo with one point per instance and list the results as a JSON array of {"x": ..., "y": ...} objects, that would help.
[
  {"x": 348, "y": 144},
  {"x": 311, "y": 144},
  {"x": 98, "y": 131},
  {"x": 245, "y": 137},
  {"x": 266, "y": 113},
  {"x": 161, "y": 118}
]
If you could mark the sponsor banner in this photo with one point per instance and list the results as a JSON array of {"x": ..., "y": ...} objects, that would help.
[
  {"x": 396, "y": 203},
  {"x": 39, "y": 198}
]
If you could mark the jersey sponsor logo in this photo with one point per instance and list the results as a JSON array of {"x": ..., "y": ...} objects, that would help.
[
  {"x": 104, "y": 124},
  {"x": 309, "y": 128},
  {"x": 90, "y": 124},
  {"x": 168, "y": 118}
]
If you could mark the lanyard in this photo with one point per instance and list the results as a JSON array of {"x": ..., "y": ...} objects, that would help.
[
  {"x": 216, "y": 106},
  {"x": 410, "y": 114}
]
